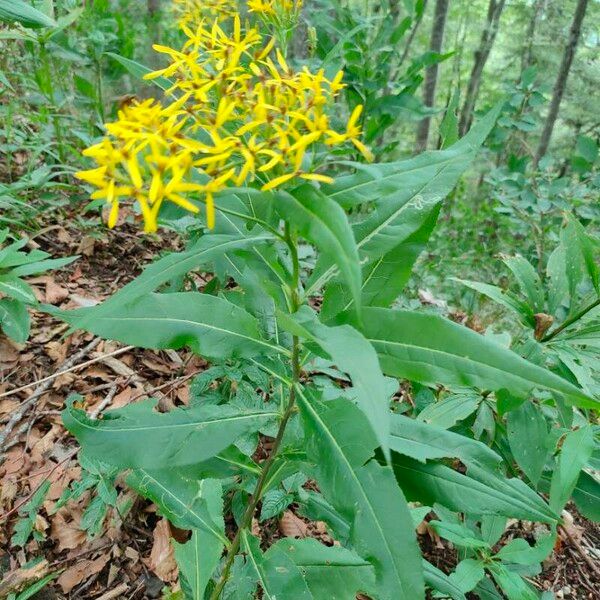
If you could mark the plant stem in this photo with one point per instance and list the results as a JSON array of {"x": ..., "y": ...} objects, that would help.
[
  {"x": 246, "y": 521},
  {"x": 573, "y": 319}
]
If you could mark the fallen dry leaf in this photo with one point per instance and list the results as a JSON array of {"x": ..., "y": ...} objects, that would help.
[
  {"x": 162, "y": 558},
  {"x": 16, "y": 580},
  {"x": 292, "y": 526},
  {"x": 80, "y": 572},
  {"x": 55, "y": 293},
  {"x": 65, "y": 529}
]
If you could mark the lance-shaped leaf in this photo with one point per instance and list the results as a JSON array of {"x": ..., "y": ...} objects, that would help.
[
  {"x": 430, "y": 349},
  {"x": 199, "y": 557},
  {"x": 139, "y": 437},
  {"x": 181, "y": 497},
  {"x": 487, "y": 493},
  {"x": 353, "y": 354},
  {"x": 209, "y": 325},
  {"x": 12, "y": 11},
  {"x": 138, "y": 71},
  {"x": 323, "y": 222},
  {"x": 177, "y": 264},
  {"x": 404, "y": 195},
  {"x": 423, "y": 442},
  {"x": 365, "y": 493}
]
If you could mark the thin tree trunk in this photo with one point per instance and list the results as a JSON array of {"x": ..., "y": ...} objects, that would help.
[
  {"x": 538, "y": 9},
  {"x": 561, "y": 80},
  {"x": 437, "y": 40},
  {"x": 488, "y": 36}
]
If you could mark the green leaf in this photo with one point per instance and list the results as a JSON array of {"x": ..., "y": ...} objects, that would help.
[
  {"x": 364, "y": 493},
  {"x": 449, "y": 125},
  {"x": 274, "y": 503},
  {"x": 18, "y": 11},
  {"x": 174, "y": 265},
  {"x": 353, "y": 354},
  {"x": 587, "y": 496},
  {"x": 14, "y": 320},
  {"x": 199, "y": 557},
  {"x": 138, "y": 71},
  {"x": 580, "y": 257},
  {"x": 16, "y": 288},
  {"x": 405, "y": 195},
  {"x": 518, "y": 551},
  {"x": 450, "y": 410},
  {"x": 323, "y": 222},
  {"x": 527, "y": 434},
  {"x": 576, "y": 450},
  {"x": 506, "y": 299},
  {"x": 42, "y": 266},
  {"x": 458, "y": 534},
  {"x": 439, "y": 581},
  {"x": 432, "y": 350},
  {"x": 529, "y": 282},
  {"x": 181, "y": 496},
  {"x": 329, "y": 572},
  {"x": 32, "y": 590},
  {"x": 182, "y": 436},
  {"x": 423, "y": 442},
  {"x": 511, "y": 583},
  {"x": 468, "y": 574},
  {"x": 209, "y": 325},
  {"x": 487, "y": 493}
]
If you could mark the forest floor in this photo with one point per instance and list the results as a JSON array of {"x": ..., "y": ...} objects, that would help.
[{"x": 132, "y": 557}]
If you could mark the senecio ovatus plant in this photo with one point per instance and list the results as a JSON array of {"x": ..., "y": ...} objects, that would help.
[{"x": 299, "y": 407}]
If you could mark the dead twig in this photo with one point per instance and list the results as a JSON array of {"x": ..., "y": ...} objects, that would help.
[
  {"x": 106, "y": 402},
  {"x": 581, "y": 551}
]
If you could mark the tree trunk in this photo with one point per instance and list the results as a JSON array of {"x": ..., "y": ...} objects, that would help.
[
  {"x": 488, "y": 36},
  {"x": 538, "y": 9},
  {"x": 561, "y": 80},
  {"x": 437, "y": 40}
]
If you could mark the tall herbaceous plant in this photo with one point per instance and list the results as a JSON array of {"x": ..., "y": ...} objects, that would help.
[{"x": 262, "y": 153}]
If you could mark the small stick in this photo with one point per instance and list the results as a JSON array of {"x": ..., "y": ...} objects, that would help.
[
  {"x": 581, "y": 551},
  {"x": 109, "y": 398},
  {"x": 70, "y": 367},
  {"x": 44, "y": 385},
  {"x": 115, "y": 593}
]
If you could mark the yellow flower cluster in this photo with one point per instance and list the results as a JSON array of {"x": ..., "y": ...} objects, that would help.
[
  {"x": 274, "y": 7},
  {"x": 191, "y": 12},
  {"x": 241, "y": 115}
]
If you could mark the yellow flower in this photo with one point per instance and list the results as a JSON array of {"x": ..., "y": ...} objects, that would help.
[{"x": 238, "y": 109}]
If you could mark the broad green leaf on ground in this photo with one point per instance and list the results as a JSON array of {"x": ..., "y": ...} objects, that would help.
[
  {"x": 172, "y": 266},
  {"x": 529, "y": 281},
  {"x": 353, "y": 354},
  {"x": 518, "y": 551},
  {"x": 41, "y": 266},
  {"x": 506, "y": 299},
  {"x": 404, "y": 195},
  {"x": 468, "y": 574},
  {"x": 586, "y": 496},
  {"x": 186, "y": 501},
  {"x": 576, "y": 450},
  {"x": 487, "y": 493},
  {"x": 138, "y": 71},
  {"x": 430, "y": 349},
  {"x": 365, "y": 493},
  {"x": 512, "y": 584},
  {"x": 527, "y": 434},
  {"x": 459, "y": 534},
  {"x": 199, "y": 557},
  {"x": 323, "y": 222},
  {"x": 425, "y": 442},
  {"x": 12, "y": 11},
  {"x": 330, "y": 572},
  {"x": 438, "y": 580},
  {"x": 139, "y": 437},
  {"x": 451, "y": 409},
  {"x": 210, "y": 325},
  {"x": 14, "y": 320},
  {"x": 16, "y": 288}
]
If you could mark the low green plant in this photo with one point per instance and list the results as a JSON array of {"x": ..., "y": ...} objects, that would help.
[{"x": 15, "y": 293}]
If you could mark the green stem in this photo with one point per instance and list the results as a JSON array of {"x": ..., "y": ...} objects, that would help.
[
  {"x": 246, "y": 521},
  {"x": 573, "y": 319}
]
